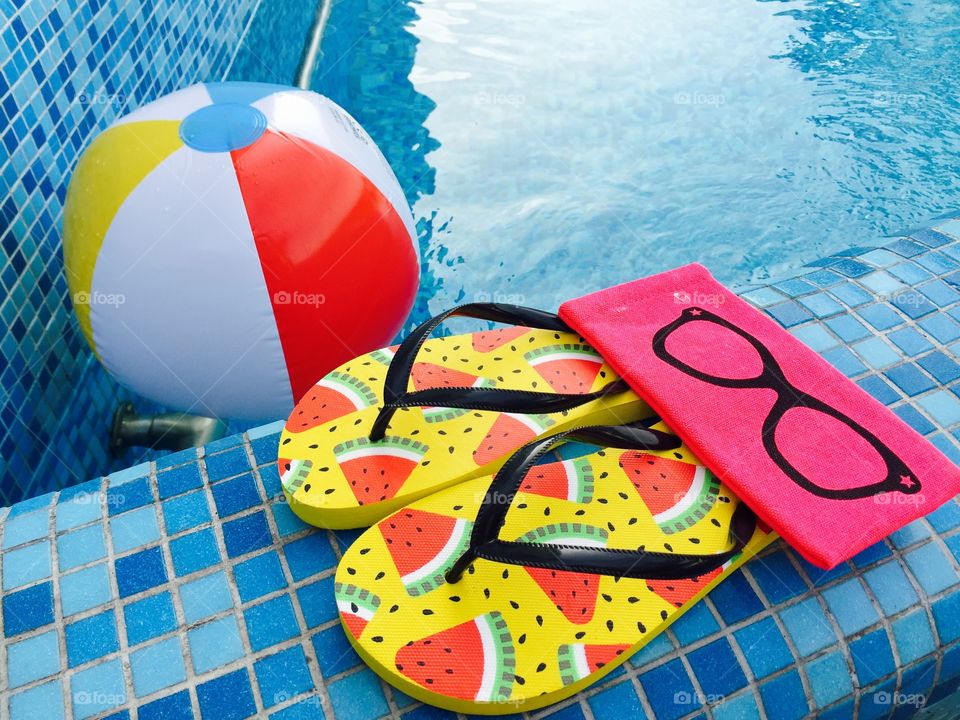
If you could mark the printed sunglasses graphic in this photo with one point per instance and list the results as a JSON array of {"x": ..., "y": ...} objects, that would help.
[{"x": 898, "y": 475}]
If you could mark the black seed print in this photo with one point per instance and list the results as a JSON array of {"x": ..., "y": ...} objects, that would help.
[
  {"x": 541, "y": 667},
  {"x": 522, "y": 639},
  {"x": 377, "y": 638},
  {"x": 664, "y": 614},
  {"x": 641, "y": 627},
  {"x": 454, "y": 598},
  {"x": 351, "y": 571},
  {"x": 714, "y": 522},
  {"x": 539, "y": 620},
  {"x": 610, "y": 625},
  {"x": 379, "y": 575},
  {"x": 580, "y": 635},
  {"x": 394, "y": 608},
  {"x": 427, "y": 611}
]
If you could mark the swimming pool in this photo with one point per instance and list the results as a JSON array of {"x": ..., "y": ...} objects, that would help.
[{"x": 550, "y": 148}]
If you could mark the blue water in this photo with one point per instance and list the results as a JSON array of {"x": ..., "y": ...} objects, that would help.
[{"x": 551, "y": 147}]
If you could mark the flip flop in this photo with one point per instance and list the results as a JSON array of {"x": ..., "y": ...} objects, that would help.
[
  {"x": 506, "y": 594},
  {"x": 456, "y": 407}
]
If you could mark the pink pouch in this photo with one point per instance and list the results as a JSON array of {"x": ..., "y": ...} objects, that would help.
[{"x": 824, "y": 464}]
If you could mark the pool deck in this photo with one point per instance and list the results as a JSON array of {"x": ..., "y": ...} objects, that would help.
[{"x": 187, "y": 588}]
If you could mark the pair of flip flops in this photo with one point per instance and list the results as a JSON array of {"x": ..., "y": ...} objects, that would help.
[{"x": 533, "y": 524}]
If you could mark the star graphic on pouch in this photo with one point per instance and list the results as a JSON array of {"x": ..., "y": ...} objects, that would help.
[
  {"x": 907, "y": 481},
  {"x": 695, "y": 311}
]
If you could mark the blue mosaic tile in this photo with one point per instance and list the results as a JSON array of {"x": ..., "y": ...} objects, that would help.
[
  {"x": 808, "y": 626},
  {"x": 914, "y": 418},
  {"x": 258, "y": 576},
  {"x": 939, "y": 293},
  {"x": 946, "y": 517},
  {"x": 669, "y": 690},
  {"x": 129, "y": 496},
  {"x": 873, "y": 554},
  {"x": 850, "y": 294},
  {"x": 149, "y": 617},
  {"x": 910, "y": 534},
  {"x": 789, "y": 313},
  {"x": 717, "y": 668},
  {"x": 43, "y": 701},
  {"x": 943, "y": 407},
  {"x": 763, "y": 646},
  {"x": 169, "y": 707},
  {"x": 784, "y": 698},
  {"x": 946, "y": 616},
  {"x": 32, "y": 659},
  {"x": 880, "y": 389},
  {"x": 226, "y": 464},
  {"x": 619, "y": 701},
  {"x": 844, "y": 361},
  {"x": 27, "y": 564},
  {"x": 821, "y": 305},
  {"x": 286, "y": 520},
  {"x": 909, "y": 272},
  {"x": 91, "y": 638},
  {"x": 271, "y": 622},
  {"x": 79, "y": 510},
  {"x": 193, "y": 552},
  {"x": 694, "y": 624},
  {"x": 913, "y": 636},
  {"x": 79, "y": 547},
  {"x": 940, "y": 367},
  {"x": 229, "y": 697},
  {"x": 246, "y": 534},
  {"x": 27, "y": 609},
  {"x": 85, "y": 589},
  {"x": 848, "y": 328},
  {"x": 933, "y": 570},
  {"x": 26, "y": 528},
  {"x": 891, "y": 587},
  {"x": 178, "y": 480},
  {"x": 334, "y": 652},
  {"x": 134, "y": 529},
  {"x": 735, "y": 599},
  {"x": 157, "y": 666},
  {"x": 282, "y": 676},
  {"x": 829, "y": 679},
  {"x": 140, "y": 571},
  {"x": 872, "y": 657},
  {"x": 185, "y": 512},
  {"x": 316, "y": 604},
  {"x": 850, "y": 606},
  {"x": 777, "y": 577},
  {"x": 214, "y": 644},
  {"x": 205, "y": 596},
  {"x": 850, "y": 268},
  {"x": 742, "y": 707},
  {"x": 881, "y": 316},
  {"x": 237, "y": 495},
  {"x": 876, "y": 353},
  {"x": 940, "y": 327},
  {"x": 358, "y": 697},
  {"x": 309, "y": 555},
  {"x": 910, "y": 341},
  {"x": 270, "y": 479}
]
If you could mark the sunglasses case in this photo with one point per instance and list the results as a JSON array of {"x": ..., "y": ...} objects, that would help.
[{"x": 818, "y": 459}]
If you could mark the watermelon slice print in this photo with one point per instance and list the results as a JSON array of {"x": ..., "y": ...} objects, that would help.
[
  {"x": 678, "y": 494},
  {"x": 427, "y": 375},
  {"x": 567, "y": 368},
  {"x": 333, "y": 396},
  {"x": 679, "y": 592},
  {"x": 293, "y": 473},
  {"x": 423, "y": 546},
  {"x": 356, "y": 606},
  {"x": 577, "y": 661},
  {"x": 508, "y": 432},
  {"x": 474, "y": 660},
  {"x": 384, "y": 356},
  {"x": 574, "y": 594},
  {"x": 568, "y": 480},
  {"x": 490, "y": 340},
  {"x": 377, "y": 470}
]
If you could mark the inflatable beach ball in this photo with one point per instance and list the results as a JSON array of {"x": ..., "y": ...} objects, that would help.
[{"x": 229, "y": 244}]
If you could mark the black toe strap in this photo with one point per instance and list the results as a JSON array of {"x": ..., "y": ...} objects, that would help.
[
  {"x": 485, "y": 543},
  {"x": 395, "y": 393}
]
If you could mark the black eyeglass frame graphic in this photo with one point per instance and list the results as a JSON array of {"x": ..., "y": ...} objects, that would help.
[{"x": 899, "y": 477}]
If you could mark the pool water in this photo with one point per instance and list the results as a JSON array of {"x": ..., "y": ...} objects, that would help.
[{"x": 552, "y": 147}]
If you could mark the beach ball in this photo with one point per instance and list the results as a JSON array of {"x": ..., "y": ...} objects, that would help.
[{"x": 229, "y": 244}]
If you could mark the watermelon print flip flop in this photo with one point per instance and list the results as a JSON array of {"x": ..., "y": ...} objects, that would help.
[
  {"x": 397, "y": 424},
  {"x": 508, "y": 593}
]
